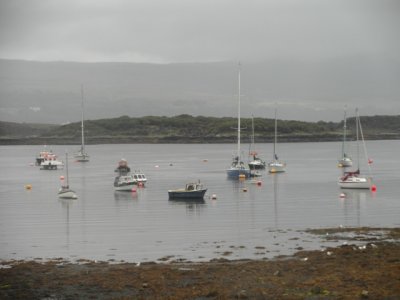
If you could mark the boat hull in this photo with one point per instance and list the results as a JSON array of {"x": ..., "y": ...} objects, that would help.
[
  {"x": 355, "y": 183},
  {"x": 51, "y": 165},
  {"x": 124, "y": 183},
  {"x": 184, "y": 194},
  {"x": 256, "y": 165},
  {"x": 126, "y": 188},
  {"x": 82, "y": 157},
  {"x": 276, "y": 167},
  {"x": 67, "y": 194}
]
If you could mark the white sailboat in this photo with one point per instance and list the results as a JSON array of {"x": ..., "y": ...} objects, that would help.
[
  {"x": 354, "y": 179},
  {"x": 345, "y": 161},
  {"x": 276, "y": 166},
  {"x": 65, "y": 192},
  {"x": 238, "y": 169},
  {"x": 82, "y": 155},
  {"x": 256, "y": 163}
]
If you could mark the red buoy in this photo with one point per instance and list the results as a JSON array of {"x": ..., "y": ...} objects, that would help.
[
  {"x": 373, "y": 188},
  {"x": 133, "y": 190}
]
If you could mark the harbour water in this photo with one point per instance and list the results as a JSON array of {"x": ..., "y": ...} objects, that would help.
[{"x": 262, "y": 222}]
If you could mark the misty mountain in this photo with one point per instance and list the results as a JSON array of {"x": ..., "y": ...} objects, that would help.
[{"x": 49, "y": 92}]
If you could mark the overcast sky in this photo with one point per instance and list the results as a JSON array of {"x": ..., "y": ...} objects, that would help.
[
  {"x": 310, "y": 56},
  {"x": 164, "y": 31}
]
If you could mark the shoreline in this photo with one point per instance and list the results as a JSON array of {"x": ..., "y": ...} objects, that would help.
[
  {"x": 4, "y": 141},
  {"x": 351, "y": 271}
]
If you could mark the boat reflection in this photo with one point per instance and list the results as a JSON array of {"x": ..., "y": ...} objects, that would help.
[
  {"x": 192, "y": 205},
  {"x": 125, "y": 196},
  {"x": 352, "y": 203},
  {"x": 66, "y": 203}
]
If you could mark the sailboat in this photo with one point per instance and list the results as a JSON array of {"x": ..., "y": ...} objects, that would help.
[
  {"x": 81, "y": 155},
  {"x": 238, "y": 169},
  {"x": 354, "y": 179},
  {"x": 345, "y": 161},
  {"x": 257, "y": 163},
  {"x": 65, "y": 192},
  {"x": 276, "y": 166}
]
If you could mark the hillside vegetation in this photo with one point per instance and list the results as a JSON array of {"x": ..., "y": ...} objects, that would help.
[{"x": 200, "y": 129}]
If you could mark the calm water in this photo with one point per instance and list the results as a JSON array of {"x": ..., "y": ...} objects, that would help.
[{"x": 146, "y": 226}]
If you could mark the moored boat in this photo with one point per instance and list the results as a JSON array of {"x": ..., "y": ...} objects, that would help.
[
  {"x": 353, "y": 179},
  {"x": 65, "y": 192},
  {"x": 125, "y": 180},
  {"x": 191, "y": 191},
  {"x": 257, "y": 163},
  {"x": 51, "y": 162},
  {"x": 276, "y": 166},
  {"x": 238, "y": 169},
  {"x": 140, "y": 177}
]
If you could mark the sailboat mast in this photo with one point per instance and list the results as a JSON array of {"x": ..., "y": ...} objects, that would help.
[
  {"x": 358, "y": 144},
  {"x": 82, "y": 126},
  {"x": 252, "y": 134},
  {"x": 66, "y": 165},
  {"x": 276, "y": 125},
  {"x": 344, "y": 132},
  {"x": 238, "y": 145}
]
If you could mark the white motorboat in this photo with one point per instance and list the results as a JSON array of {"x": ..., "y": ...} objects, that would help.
[
  {"x": 353, "y": 179},
  {"x": 42, "y": 156},
  {"x": 345, "y": 161},
  {"x": 125, "y": 181},
  {"x": 140, "y": 177},
  {"x": 276, "y": 166},
  {"x": 82, "y": 155},
  {"x": 65, "y": 192},
  {"x": 51, "y": 162},
  {"x": 238, "y": 169}
]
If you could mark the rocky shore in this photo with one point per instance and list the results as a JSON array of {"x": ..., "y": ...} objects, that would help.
[{"x": 350, "y": 271}]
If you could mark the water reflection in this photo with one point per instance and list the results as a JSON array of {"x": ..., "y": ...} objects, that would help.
[
  {"x": 65, "y": 204},
  {"x": 193, "y": 206},
  {"x": 275, "y": 177},
  {"x": 352, "y": 202},
  {"x": 125, "y": 196}
]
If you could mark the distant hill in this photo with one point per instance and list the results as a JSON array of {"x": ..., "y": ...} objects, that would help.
[
  {"x": 192, "y": 129},
  {"x": 24, "y": 130},
  {"x": 49, "y": 92}
]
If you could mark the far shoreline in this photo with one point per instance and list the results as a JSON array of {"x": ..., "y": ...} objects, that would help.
[{"x": 4, "y": 141}]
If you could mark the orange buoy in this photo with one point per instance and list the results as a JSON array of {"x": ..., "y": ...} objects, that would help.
[
  {"x": 259, "y": 182},
  {"x": 28, "y": 187},
  {"x": 133, "y": 190},
  {"x": 61, "y": 177}
]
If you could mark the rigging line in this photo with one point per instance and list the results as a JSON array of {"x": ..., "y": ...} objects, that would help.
[{"x": 365, "y": 147}]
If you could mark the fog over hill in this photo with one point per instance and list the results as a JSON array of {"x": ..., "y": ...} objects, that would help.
[{"x": 49, "y": 92}]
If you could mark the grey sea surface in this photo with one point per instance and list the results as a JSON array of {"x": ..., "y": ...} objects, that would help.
[{"x": 247, "y": 220}]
